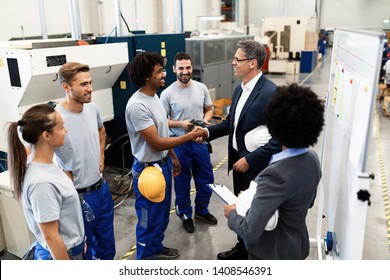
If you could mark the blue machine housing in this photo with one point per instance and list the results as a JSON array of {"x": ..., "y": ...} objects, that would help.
[{"x": 3, "y": 162}]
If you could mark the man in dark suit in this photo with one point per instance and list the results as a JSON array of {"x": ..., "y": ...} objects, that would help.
[{"x": 246, "y": 114}]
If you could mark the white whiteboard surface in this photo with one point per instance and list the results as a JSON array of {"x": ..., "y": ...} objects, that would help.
[{"x": 352, "y": 88}]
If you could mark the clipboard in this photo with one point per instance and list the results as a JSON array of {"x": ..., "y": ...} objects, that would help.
[{"x": 223, "y": 193}]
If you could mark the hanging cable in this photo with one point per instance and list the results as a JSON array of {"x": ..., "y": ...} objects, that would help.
[
  {"x": 123, "y": 182},
  {"x": 128, "y": 29},
  {"x": 109, "y": 35}
]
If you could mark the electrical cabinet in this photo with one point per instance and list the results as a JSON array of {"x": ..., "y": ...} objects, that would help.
[
  {"x": 216, "y": 76},
  {"x": 207, "y": 75},
  {"x": 225, "y": 80},
  {"x": 308, "y": 61},
  {"x": 211, "y": 60}
]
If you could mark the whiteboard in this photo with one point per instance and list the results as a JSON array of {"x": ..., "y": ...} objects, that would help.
[{"x": 352, "y": 88}]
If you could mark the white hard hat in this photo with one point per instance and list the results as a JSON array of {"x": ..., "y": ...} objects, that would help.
[
  {"x": 244, "y": 202},
  {"x": 257, "y": 137}
]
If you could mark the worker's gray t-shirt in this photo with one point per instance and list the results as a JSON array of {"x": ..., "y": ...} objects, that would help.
[
  {"x": 185, "y": 103},
  {"x": 49, "y": 195},
  {"x": 81, "y": 152},
  {"x": 143, "y": 111}
]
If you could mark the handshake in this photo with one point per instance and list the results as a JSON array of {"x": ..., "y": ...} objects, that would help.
[{"x": 199, "y": 132}]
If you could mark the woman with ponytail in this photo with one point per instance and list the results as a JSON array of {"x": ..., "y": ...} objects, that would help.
[{"x": 50, "y": 202}]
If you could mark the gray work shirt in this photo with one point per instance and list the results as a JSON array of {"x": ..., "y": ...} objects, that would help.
[
  {"x": 143, "y": 111},
  {"x": 49, "y": 195},
  {"x": 81, "y": 152},
  {"x": 185, "y": 103}
]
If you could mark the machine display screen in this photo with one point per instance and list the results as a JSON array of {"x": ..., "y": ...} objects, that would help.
[
  {"x": 13, "y": 69},
  {"x": 55, "y": 60}
]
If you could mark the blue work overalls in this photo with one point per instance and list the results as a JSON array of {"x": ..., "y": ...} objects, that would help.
[{"x": 153, "y": 218}]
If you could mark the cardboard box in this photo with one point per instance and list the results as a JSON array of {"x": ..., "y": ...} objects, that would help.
[
  {"x": 311, "y": 41},
  {"x": 382, "y": 91},
  {"x": 221, "y": 105},
  {"x": 386, "y": 106}
]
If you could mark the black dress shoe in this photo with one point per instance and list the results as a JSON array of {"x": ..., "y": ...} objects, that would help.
[
  {"x": 188, "y": 225},
  {"x": 233, "y": 254},
  {"x": 207, "y": 218}
]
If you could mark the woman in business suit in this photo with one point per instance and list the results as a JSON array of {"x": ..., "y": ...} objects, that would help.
[
  {"x": 246, "y": 113},
  {"x": 294, "y": 116}
]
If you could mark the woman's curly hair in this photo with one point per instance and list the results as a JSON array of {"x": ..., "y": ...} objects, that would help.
[{"x": 295, "y": 116}]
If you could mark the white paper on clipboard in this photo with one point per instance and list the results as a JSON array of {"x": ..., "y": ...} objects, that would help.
[{"x": 224, "y": 193}]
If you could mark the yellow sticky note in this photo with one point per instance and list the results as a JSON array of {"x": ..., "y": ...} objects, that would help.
[
  {"x": 1, "y": 62},
  {"x": 163, "y": 53},
  {"x": 163, "y": 45},
  {"x": 123, "y": 84}
]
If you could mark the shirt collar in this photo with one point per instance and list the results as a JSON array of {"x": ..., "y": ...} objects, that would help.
[
  {"x": 251, "y": 84},
  {"x": 289, "y": 152}
]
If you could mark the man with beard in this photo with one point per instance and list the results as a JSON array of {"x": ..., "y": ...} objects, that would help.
[
  {"x": 187, "y": 101},
  {"x": 82, "y": 159}
]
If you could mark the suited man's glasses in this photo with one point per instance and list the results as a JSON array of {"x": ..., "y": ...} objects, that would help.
[{"x": 236, "y": 59}]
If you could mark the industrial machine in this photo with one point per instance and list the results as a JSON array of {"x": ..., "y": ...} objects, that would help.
[
  {"x": 29, "y": 76},
  {"x": 17, "y": 236},
  {"x": 288, "y": 36},
  {"x": 212, "y": 62}
]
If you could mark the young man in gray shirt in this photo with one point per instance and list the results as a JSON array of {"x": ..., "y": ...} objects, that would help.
[
  {"x": 82, "y": 159},
  {"x": 183, "y": 101}
]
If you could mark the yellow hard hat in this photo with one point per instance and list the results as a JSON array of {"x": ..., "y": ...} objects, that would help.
[{"x": 151, "y": 184}]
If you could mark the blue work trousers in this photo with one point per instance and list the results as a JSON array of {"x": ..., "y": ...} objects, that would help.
[
  {"x": 75, "y": 253},
  {"x": 153, "y": 217},
  {"x": 195, "y": 162},
  {"x": 100, "y": 231}
]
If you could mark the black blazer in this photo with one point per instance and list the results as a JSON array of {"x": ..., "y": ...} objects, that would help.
[{"x": 252, "y": 116}]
